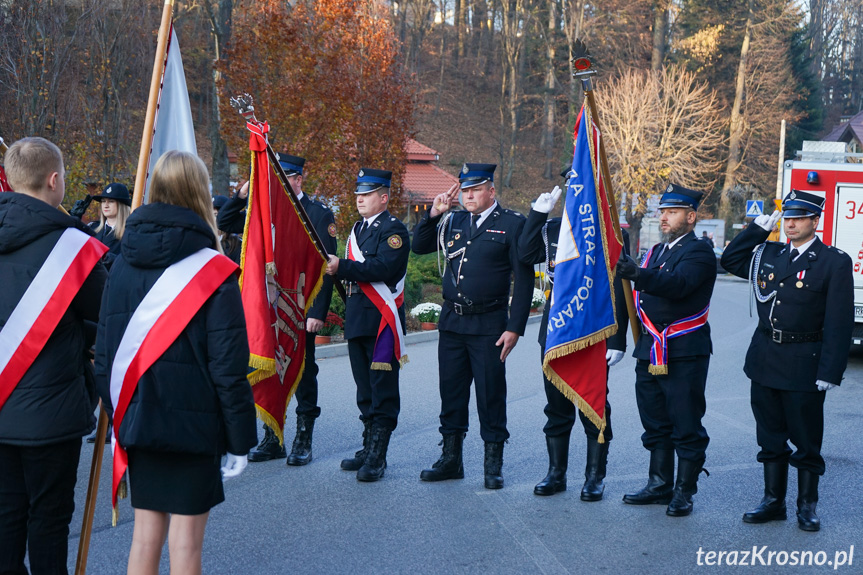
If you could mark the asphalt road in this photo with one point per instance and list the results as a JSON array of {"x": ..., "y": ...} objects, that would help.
[{"x": 319, "y": 519}]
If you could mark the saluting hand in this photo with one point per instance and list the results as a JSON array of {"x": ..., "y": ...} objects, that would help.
[
  {"x": 244, "y": 191},
  {"x": 443, "y": 202},
  {"x": 508, "y": 340},
  {"x": 332, "y": 266},
  {"x": 546, "y": 201}
]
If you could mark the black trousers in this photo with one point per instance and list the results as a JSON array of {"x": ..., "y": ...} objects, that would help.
[
  {"x": 466, "y": 358},
  {"x": 37, "y": 499},
  {"x": 307, "y": 389},
  {"x": 671, "y": 406},
  {"x": 377, "y": 391},
  {"x": 781, "y": 415}
]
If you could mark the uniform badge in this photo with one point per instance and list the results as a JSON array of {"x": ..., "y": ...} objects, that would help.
[
  {"x": 464, "y": 169},
  {"x": 457, "y": 236},
  {"x": 799, "y": 284},
  {"x": 449, "y": 244},
  {"x": 332, "y": 229},
  {"x": 762, "y": 284},
  {"x": 792, "y": 195},
  {"x": 394, "y": 241},
  {"x": 361, "y": 174},
  {"x": 800, "y": 275},
  {"x": 770, "y": 277}
]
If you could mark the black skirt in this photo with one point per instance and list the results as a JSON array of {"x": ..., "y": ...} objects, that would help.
[{"x": 179, "y": 483}]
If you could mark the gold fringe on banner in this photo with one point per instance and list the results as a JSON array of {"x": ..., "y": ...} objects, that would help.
[
  {"x": 404, "y": 361},
  {"x": 381, "y": 366}
]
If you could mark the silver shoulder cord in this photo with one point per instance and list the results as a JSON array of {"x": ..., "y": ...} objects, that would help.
[
  {"x": 549, "y": 273},
  {"x": 441, "y": 240},
  {"x": 754, "y": 266}
]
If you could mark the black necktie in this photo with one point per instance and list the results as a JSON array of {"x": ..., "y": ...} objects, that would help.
[
  {"x": 363, "y": 229},
  {"x": 794, "y": 254},
  {"x": 473, "y": 227}
]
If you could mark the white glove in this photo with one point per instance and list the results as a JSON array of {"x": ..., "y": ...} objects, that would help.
[
  {"x": 824, "y": 386},
  {"x": 234, "y": 465},
  {"x": 546, "y": 201},
  {"x": 768, "y": 223},
  {"x": 612, "y": 356}
]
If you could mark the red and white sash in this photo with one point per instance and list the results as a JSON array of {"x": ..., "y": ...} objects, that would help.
[
  {"x": 659, "y": 350},
  {"x": 387, "y": 303},
  {"x": 42, "y": 306},
  {"x": 159, "y": 319}
]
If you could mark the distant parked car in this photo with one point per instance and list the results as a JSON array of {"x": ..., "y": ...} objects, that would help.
[{"x": 718, "y": 253}]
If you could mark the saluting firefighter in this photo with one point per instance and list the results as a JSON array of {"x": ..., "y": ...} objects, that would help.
[
  {"x": 672, "y": 289},
  {"x": 374, "y": 269},
  {"x": 478, "y": 325},
  {"x": 538, "y": 244},
  {"x": 804, "y": 293},
  {"x": 307, "y": 390}
]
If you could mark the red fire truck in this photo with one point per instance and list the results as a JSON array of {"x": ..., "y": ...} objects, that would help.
[{"x": 833, "y": 176}]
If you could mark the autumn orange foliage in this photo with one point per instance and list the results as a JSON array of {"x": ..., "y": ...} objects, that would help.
[{"x": 325, "y": 75}]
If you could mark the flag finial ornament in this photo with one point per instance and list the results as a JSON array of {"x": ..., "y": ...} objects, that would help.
[{"x": 582, "y": 61}]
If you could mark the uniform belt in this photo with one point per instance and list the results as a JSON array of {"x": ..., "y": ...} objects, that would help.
[
  {"x": 352, "y": 288},
  {"x": 785, "y": 336},
  {"x": 465, "y": 309}
]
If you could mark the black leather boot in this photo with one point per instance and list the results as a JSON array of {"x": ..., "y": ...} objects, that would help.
[
  {"x": 558, "y": 460},
  {"x": 685, "y": 488},
  {"x": 269, "y": 448},
  {"x": 376, "y": 457},
  {"x": 354, "y": 463},
  {"x": 493, "y": 465},
  {"x": 772, "y": 506},
  {"x": 807, "y": 499},
  {"x": 301, "y": 450},
  {"x": 450, "y": 465},
  {"x": 594, "y": 471},
  {"x": 660, "y": 482}
]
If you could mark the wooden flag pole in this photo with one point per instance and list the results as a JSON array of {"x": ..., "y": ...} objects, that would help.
[
  {"x": 583, "y": 64},
  {"x": 92, "y": 489},
  {"x": 152, "y": 104},
  {"x": 137, "y": 198}
]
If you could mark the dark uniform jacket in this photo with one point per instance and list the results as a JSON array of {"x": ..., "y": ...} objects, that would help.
[
  {"x": 823, "y": 302},
  {"x": 232, "y": 216},
  {"x": 195, "y": 398},
  {"x": 385, "y": 247},
  {"x": 479, "y": 271},
  {"x": 538, "y": 244},
  {"x": 232, "y": 219},
  {"x": 106, "y": 236},
  {"x": 675, "y": 286},
  {"x": 55, "y": 399}
]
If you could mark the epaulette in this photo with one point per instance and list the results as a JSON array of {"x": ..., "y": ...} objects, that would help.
[
  {"x": 513, "y": 213},
  {"x": 835, "y": 249}
]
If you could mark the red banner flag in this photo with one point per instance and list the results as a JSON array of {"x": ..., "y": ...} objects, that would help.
[
  {"x": 282, "y": 272},
  {"x": 4, "y": 185}
]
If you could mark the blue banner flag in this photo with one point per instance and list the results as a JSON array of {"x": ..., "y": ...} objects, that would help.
[{"x": 582, "y": 303}]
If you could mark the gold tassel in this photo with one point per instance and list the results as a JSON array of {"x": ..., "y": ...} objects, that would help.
[
  {"x": 381, "y": 366},
  {"x": 122, "y": 489},
  {"x": 115, "y": 516},
  {"x": 658, "y": 369},
  {"x": 403, "y": 361},
  {"x": 601, "y": 438}
]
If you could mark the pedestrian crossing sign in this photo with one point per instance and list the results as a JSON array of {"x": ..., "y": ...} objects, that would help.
[{"x": 754, "y": 208}]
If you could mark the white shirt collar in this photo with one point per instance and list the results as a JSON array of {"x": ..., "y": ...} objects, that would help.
[
  {"x": 485, "y": 214},
  {"x": 670, "y": 245},
  {"x": 300, "y": 195},
  {"x": 802, "y": 249},
  {"x": 371, "y": 219}
]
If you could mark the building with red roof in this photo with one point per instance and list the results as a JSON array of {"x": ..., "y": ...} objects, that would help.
[{"x": 423, "y": 180}]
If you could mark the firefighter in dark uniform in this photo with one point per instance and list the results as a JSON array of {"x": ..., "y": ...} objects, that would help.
[
  {"x": 478, "y": 325},
  {"x": 673, "y": 288},
  {"x": 804, "y": 293},
  {"x": 538, "y": 244},
  {"x": 385, "y": 247},
  {"x": 306, "y": 393}
]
